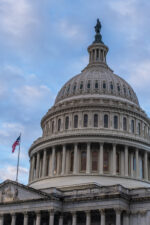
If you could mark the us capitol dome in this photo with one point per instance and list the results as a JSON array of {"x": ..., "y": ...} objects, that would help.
[{"x": 92, "y": 164}]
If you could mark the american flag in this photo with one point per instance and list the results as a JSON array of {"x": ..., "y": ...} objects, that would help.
[{"x": 17, "y": 142}]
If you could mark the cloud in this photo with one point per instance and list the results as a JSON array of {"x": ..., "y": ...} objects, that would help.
[
  {"x": 70, "y": 30},
  {"x": 17, "y": 17},
  {"x": 9, "y": 172},
  {"x": 31, "y": 95}
]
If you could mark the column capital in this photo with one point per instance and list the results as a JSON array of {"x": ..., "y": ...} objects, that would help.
[
  {"x": 87, "y": 211},
  {"x": 102, "y": 211},
  {"x": 38, "y": 213},
  {"x": 52, "y": 211},
  {"x": 101, "y": 143},
  {"x": 118, "y": 210},
  {"x": 25, "y": 213},
  {"x": 13, "y": 214}
]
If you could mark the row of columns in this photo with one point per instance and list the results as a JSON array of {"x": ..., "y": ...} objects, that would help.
[
  {"x": 124, "y": 170},
  {"x": 74, "y": 218}
]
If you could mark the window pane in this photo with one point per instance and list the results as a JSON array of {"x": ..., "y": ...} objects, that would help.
[
  {"x": 132, "y": 126},
  {"x": 76, "y": 121},
  {"x": 67, "y": 123},
  {"x": 85, "y": 122},
  {"x": 59, "y": 124},
  {"x": 95, "y": 120},
  {"x": 83, "y": 160},
  {"x": 115, "y": 122},
  {"x": 124, "y": 124},
  {"x": 106, "y": 121},
  {"x": 94, "y": 160}
]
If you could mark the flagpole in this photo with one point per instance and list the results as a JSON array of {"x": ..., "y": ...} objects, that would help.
[{"x": 18, "y": 160}]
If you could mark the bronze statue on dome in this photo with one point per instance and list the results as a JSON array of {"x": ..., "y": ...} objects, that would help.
[
  {"x": 98, "y": 27},
  {"x": 98, "y": 36}
]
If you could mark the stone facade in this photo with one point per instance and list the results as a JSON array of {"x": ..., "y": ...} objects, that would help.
[{"x": 92, "y": 164}]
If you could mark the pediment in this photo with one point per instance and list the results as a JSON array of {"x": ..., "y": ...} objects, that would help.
[{"x": 11, "y": 191}]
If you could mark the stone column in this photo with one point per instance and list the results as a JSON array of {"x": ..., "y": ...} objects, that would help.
[
  {"x": 131, "y": 158},
  {"x": 25, "y": 221},
  {"x": 114, "y": 160},
  {"x": 126, "y": 162},
  {"x": 53, "y": 161},
  {"x": 102, "y": 220},
  {"x": 122, "y": 163},
  {"x": 88, "y": 159},
  {"x": 75, "y": 165},
  {"x": 37, "y": 165},
  {"x": 63, "y": 160},
  {"x": 38, "y": 218},
  {"x": 1, "y": 219},
  {"x": 118, "y": 217},
  {"x": 13, "y": 219},
  {"x": 51, "y": 217},
  {"x": 88, "y": 218},
  {"x": 33, "y": 164},
  {"x": 101, "y": 160},
  {"x": 61, "y": 219},
  {"x": 137, "y": 162},
  {"x": 74, "y": 218},
  {"x": 145, "y": 166},
  {"x": 127, "y": 220},
  {"x": 44, "y": 164}
]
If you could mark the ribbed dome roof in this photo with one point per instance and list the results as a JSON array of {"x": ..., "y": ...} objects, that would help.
[{"x": 97, "y": 79}]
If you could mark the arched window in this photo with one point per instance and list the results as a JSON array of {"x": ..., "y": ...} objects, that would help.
[
  {"x": 106, "y": 121},
  {"x": 111, "y": 86},
  {"x": 94, "y": 160},
  {"x": 124, "y": 123},
  {"x": 118, "y": 87},
  {"x": 71, "y": 161},
  {"x": 52, "y": 127},
  {"x": 115, "y": 122},
  {"x": 85, "y": 120},
  {"x": 81, "y": 85},
  {"x": 106, "y": 161},
  {"x": 68, "y": 89},
  {"x": 96, "y": 84},
  {"x": 76, "y": 121},
  {"x": 88, "y": 84},
  {"x": 83, "y": 160},
  {"x": 59, "y": 124},
  {"x": 139, "y": 129},
  {"x": 74, "y": 87},
  {"x": 132, "y": 126},
  {"x": 95, "y": 120},
  {"x": 104, "y": 85},
  {"x": 67, "y": 123}
]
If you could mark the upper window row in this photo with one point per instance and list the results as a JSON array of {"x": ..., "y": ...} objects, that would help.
[
  {"x": 135, "y": 128},
  {"x": 105, "y": 85}
]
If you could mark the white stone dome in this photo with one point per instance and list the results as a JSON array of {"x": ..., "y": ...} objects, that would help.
[{"x": 97, "y": 81}]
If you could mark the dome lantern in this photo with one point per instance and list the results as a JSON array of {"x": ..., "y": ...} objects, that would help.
[{"x": 97, "y": 51}]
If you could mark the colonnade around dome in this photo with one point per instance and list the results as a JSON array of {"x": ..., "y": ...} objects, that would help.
[
  {"x": 114, "y": 121},
  {"x": 90, "y": 159}
]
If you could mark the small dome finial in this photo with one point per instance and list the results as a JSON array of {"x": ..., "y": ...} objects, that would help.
[{"x": 98, "y": 36}]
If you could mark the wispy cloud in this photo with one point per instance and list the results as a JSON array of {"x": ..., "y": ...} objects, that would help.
[
  {"x": 17, "y": 17},
  {"x": 9, "y": 172}
]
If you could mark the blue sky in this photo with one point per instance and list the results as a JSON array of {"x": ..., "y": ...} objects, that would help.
[{"x": 44, "y": 43}]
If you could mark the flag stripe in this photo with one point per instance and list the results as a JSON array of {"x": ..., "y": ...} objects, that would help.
[{"x": 17, "y": 142}]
